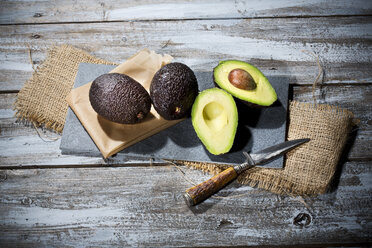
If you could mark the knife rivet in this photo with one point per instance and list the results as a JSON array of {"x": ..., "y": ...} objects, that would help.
[{"x": 302, "y": 220}]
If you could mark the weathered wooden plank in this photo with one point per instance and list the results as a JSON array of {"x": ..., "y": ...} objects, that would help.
[
  {"x": 12, "y": 12},
  {"x": 143, "y": 207},
  {"x": 274, "y": 45},
  {"x": 22, "y": 146}
]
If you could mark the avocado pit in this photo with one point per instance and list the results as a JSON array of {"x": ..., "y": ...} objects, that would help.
[{"x": 241, "y": 79}]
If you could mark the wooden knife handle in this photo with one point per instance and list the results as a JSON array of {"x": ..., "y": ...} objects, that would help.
[{"x": 202, "y": 191}]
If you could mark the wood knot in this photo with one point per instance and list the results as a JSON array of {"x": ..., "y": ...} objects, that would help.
[
  {"x": 38, "y": 15},
  {"x": 26, "y": 201},
  {"x": 302, "y": 220}
]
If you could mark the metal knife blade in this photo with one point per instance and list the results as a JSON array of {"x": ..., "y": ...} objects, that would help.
[
  {"x": 274, "y": 151},
  {"x": 268, "y": 154}
]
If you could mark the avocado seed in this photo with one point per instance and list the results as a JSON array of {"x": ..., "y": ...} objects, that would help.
[{"x": 242, "y": 79}]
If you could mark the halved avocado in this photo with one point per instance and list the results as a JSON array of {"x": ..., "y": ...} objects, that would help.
[
  {"x": 215, "y": 119},
  {"x": 244, "y": 81}
]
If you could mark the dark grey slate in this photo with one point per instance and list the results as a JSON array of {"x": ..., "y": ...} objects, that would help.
[{"x": 258, "y": 128}]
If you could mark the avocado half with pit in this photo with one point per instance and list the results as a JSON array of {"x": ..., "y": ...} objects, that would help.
[
  {"x": 245, "y": 82},
  {"x": 215, "y": 119}
]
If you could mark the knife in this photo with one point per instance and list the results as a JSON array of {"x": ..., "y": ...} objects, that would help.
[{"x": 202, "y": 191}]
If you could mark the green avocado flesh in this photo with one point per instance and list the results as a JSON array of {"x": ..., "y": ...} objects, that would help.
[
  {"x": 263, "y": 94},
  {"x": 215, "y": 118}
]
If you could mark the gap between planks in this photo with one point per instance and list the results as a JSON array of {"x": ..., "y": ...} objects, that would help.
[
  {"x": 189, "y": 19},
  {"x": 22, "y": 167}
]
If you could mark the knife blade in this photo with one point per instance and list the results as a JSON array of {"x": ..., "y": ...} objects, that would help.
[{"x": 202, "y": 191}]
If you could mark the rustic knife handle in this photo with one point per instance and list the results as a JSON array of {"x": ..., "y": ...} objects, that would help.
[{"x": 202, "y": 191}]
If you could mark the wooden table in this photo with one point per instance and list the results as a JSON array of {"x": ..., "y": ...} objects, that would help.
[{"x": 48, "y": 199}]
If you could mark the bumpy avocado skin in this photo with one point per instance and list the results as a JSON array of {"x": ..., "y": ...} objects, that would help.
[
  {"x": 173, "y": 91},
  {"x": 119, "y": 98}
]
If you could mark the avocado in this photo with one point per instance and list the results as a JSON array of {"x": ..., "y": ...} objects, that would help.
[
  {"x": 245, "y": 82},
  {"x": 173, "y": 90},
  {"x": 214, "y": 116},
  {"x": 119, "y": 98}
]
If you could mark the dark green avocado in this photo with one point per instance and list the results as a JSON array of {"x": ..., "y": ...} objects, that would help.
[
  {"x": 173, "y": 91},
  {"x": 119, "y": 98}
]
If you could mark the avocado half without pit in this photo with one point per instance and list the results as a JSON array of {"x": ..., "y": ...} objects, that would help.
[
  {"x": 119, "y": 98},
  {"x": 215, "y": 119},
  {"x": 173, "y": 91},
  {"x": 245, "y": 82}
]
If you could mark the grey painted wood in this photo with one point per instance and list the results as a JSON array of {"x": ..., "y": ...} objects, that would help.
[
  {"x": 87, "y": 10},
  {"x": 21, "y": 146},
  {"x": 139, "y": 207},
  {"x": 275, "y": 45}
]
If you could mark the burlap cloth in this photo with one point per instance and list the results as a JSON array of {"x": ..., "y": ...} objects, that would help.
[
  {"x": 308, "y": 170},
  {"x": 42, "y": 98}
]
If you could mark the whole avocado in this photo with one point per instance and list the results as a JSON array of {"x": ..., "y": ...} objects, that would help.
[
  {"x": 173, "y": 91},
  {"x": 119, "y": 98}
]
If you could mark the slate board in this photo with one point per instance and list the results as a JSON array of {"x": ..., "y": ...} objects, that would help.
[{"x": 258, "y": 128}]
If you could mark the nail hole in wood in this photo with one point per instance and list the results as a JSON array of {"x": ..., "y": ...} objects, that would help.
[
  {"x": 38, "y": 15},
  {"x": 26, "y": 201},
  {"x": 302, "y": 219},
  {"x": 223, "y": 223},
  {"x": 35, "y": 36}
]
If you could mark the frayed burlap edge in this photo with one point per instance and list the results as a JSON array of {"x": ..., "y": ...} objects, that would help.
[
  {"x": 301, "y": 175},
  {"x": 57, "y": 72}
]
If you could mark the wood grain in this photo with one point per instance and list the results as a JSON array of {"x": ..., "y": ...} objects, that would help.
[
  {"x": 56, "y": 11},
  {"x": 21, "y": 146},
  {"x": 117, "y": 202},
  {"x": 108, "y": 207},
  {"x": 275, "y": 45}
]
